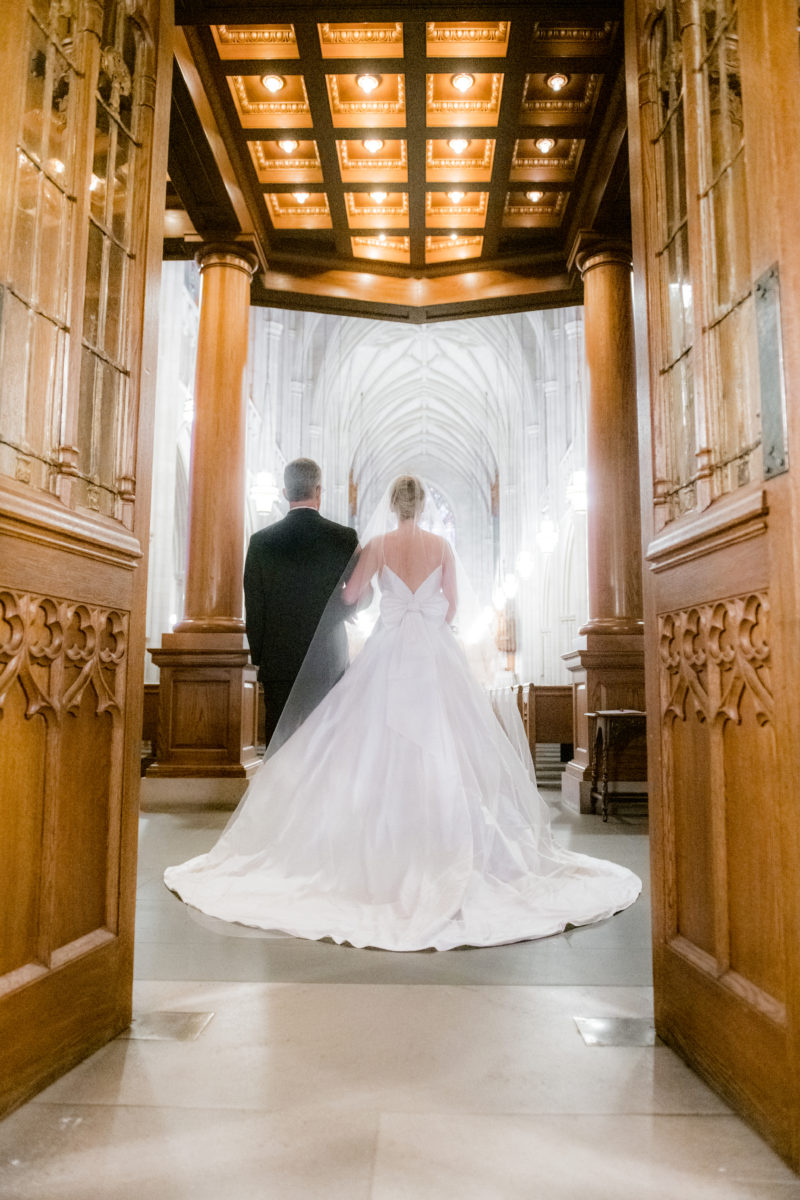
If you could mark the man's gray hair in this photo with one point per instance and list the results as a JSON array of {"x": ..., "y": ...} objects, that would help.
[{"x": 301, "y": 478}]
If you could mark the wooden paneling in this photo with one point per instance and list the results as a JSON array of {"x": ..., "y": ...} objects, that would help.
[
  {"x": 722, "y": 575},
  {"x": 74, "y": 517}
]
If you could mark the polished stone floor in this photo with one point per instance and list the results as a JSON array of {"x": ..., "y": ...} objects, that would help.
[{"x": 272, "y": 1068}]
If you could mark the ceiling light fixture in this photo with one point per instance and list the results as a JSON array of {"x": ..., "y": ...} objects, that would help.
[
  {"x": 456, "y": 197},
  {"x": 463, "y": 81},
  {"x": 534, "y": 197},
  {"x": 378, "y": 197},
  {"x": 300, "y": 197},
  {"x": 544, "y": 145},
  {"x": 372, "y": 145},
  {"x": 453, "y": 237},
  {"x": 288, "y": 146},
  {"x": 368, "y": 83},
  {"x": 381, "y": 237},
  {"x": 558, "y": 81},
  {"x": 273, "y": 83},
  {"x": 458, "y": 145}
]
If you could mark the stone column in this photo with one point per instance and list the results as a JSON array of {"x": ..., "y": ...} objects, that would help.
[
  {"x": 207, "y": 702},
  {"x": 607, "y": 664}
]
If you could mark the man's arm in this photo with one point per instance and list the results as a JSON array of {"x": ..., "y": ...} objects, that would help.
[{"x": 254, "y": 607}]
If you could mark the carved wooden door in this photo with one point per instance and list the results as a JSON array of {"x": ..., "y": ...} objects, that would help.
[
  {"x": 712, "y": 87},
  {"x": 83, "y": 129}
]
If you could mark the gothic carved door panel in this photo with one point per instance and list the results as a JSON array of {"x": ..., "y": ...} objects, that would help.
[
  {"x": 712, "y": 85},
  {"x": 83, "y": 133}
]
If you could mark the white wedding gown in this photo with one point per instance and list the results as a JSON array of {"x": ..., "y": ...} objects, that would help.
[{"x": 399, "y": 815}]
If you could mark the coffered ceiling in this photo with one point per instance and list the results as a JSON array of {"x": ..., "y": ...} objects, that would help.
[{"x": 400, "y": 160}]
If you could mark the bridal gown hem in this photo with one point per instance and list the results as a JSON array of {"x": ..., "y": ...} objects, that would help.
[{"x": 399, "y": 816}]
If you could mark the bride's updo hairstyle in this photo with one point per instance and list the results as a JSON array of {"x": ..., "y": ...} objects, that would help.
[{"x": 407, "y": 497}]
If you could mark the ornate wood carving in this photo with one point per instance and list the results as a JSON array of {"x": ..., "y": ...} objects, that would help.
[
  {"x": 56, "y": 648},
  {"x": 711, "y": 655}
]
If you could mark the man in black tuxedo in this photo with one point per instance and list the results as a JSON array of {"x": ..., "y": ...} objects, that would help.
[{"x": 291, "y": 572}]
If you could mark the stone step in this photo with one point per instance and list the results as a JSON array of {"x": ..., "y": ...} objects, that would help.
[{"x": 549, "y": 767}]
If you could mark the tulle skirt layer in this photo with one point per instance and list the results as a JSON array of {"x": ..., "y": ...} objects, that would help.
[{"x": 399, "y": 816}]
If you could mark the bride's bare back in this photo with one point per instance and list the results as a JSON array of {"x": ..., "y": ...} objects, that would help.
[{"x": 413, "y": 555}]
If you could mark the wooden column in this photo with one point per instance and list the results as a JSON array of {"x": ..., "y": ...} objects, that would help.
[
  {"x": 207, "y": 708},
  {"x": 608, "y": 662}
]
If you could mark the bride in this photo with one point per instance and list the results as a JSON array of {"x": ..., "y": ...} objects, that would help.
[{"x": 398, "y": 815}]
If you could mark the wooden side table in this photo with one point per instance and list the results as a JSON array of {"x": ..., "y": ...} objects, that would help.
[{"x": 617, "y": 731}]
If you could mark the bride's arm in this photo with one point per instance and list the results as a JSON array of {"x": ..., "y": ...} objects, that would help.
[
  {"x": 449, "y": 585},
  {"x": 358, "y": 584}
]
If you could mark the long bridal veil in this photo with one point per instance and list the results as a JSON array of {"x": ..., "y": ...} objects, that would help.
[{"x": 399, "y": 815}]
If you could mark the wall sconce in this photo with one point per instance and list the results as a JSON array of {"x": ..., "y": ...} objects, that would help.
[
  {"x": 264, "y": 491},
  {"x": 576, "y": 491}
]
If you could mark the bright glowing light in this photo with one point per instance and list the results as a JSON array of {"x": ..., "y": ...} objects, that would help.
[
  {"x": 264, "y": 491},
  {"x": 463, "y": 81},
  {"x": 368, "y": 83},
  {"x": 365, "y": 623},
  {"x": 57, "y": 166},
  {"x": 456, "y": 197},
  {"x": 378, "y": 197},
  {"x": 534, "y": 197},
  {"x": 576, "y": 491},
  {"x": 453, "y": 237},
  {"x": 524, "y": 564},
  {"x": 557, "y": 81},
  {"x": 547, "y": 537},
  {"x": 288, "y": 146},
  {"x": 458, "y": 145},
  {"x": 273, "y": 83},
  {"x": 544, "y": 145},
  {"x": 479, "y": 627},
  {"x": 372, "y": 145},
  {"x": 300, "y": 197},
  {"x": 381, "y": 237}
]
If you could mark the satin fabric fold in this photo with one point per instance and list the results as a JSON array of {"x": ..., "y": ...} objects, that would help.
[{"x": 399, "y": 814}]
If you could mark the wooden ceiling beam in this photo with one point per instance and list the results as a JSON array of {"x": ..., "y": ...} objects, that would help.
[
  {"x": 246, "y": 12},
  {"x": 323, "y": 131},
  {"x": 506, "y": 133}
]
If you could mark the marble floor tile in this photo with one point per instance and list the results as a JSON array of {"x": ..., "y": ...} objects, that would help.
[
  {"x": 438, "y": 1049},
  {"x": 74, "y": 1152},
  {"x": 430, "y": 1157}
]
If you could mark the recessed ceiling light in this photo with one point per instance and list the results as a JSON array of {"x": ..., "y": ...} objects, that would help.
[
  {"x": 453, "y": 237},
  {"x": 273, "y": 83},
  {"x": 300, "y": 197},
  {"x": 368, "y": 83},
  {"x": 544, "y": 145},
  {"x": 456, "y": 197},
  {"x": 463, "y": 81},
  {"x": 458, "y": 145},
  {"x": 378, "y": 197},
  {"x": 558, "y": 81},
  {"x": 534, "y": 197},
  {"x": 381, "y": 237},
  {"x": 372, "y": 145},
  {"x": 288, "y": 146}
]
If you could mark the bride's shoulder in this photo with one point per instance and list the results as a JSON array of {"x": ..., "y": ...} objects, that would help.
[{"x": 373, "y": 547}]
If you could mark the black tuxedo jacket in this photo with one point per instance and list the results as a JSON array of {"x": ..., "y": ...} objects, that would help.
[{"x": 291, "y": 571}]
